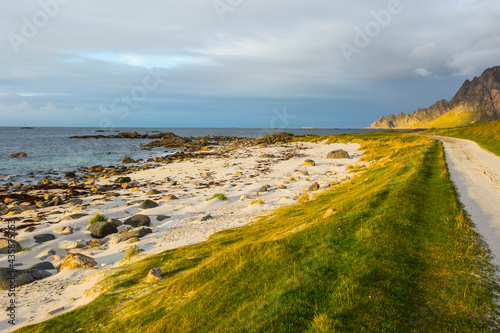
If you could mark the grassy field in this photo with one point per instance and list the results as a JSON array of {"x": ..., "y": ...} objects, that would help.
[
  {"x": 487, "y": 135},
  {"x": 398, "y": 255}
]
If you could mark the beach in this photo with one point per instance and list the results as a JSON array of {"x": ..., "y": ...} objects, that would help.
[{"x": 249, "y": 182}]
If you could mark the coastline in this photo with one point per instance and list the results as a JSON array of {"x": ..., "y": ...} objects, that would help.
[{"x": 237, "y": 173}]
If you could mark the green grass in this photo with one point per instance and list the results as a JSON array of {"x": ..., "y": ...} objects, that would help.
[
  {"x": 26, "y": 248},
  {"x": 487, "y": 135},
  {"x": 98, "y": 218},
  {"x": 220, "y": 196},
  {"x": 400, "y": 255}
]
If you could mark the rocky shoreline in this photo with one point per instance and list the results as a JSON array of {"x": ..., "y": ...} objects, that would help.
[{"x": 149, "y": 206}]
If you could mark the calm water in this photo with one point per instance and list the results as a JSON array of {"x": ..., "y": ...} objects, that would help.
[{"x": 49, "y": 148}]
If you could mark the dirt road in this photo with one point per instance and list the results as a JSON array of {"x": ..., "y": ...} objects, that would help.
[{"x": 476, "y": 174}]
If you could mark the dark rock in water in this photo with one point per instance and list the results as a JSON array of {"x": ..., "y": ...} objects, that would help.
[
  {"x": 69, "y": 175},
  {"x": 101, "y": 229},
  {"x": 20, "y": 277},
  {"x": 146, "y": 204},
  {"x": 162, "y": 217},
  {"x": 121, "y": 180},
  {"x": 128, "y": 160},
  {"x": 138, "y": 220},
  {"x": 206, "y": 218},
  {"x": 41, "y": 266},
  {"x": 314, "y": 187},
  {"x": 42, "y": 238},
  {"x": 95, "y": 168},
  {"x": 9, "y": 244},
  {"x": 340, "y": 153},
  {"x": 152, "y": 192},
  {"x": 18, "y": 155}
]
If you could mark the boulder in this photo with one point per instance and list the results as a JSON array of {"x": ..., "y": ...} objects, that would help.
[
  {"x": 20, "y": 277},
  {"x": 138, "y": 220},
  {"x": 42, "y": 238},
  {"x": 154, "y": 275},
  {"x": 162, "y": 217},
  {"x": 170, "y": 197},
  {"x": 69, "y": 175},
  {"x": 146, "y": 204},
  {"x": 340, "y": 153},
  {"x": 64, "y": 230},
  {"x": 115, "y": 222},
  {"x": 72, "y": 244},
  {"x": 41, "y": 266},
  {"x": 263, "y": 189},
  {"x": 6, "y": 243},
  {"x": 41, "y": 204},
  {"x": 152, "y": 192},
  {"x": 121, "y": 180},
  {"x": 18, "y": 155},
  {"x": 57, "y": 201},
  {"x": 309, "y": 163},
  {"x": 77, "y": 260},
  {"x": 101, "y": 229},
  {"x": 138, "y": 232},
  {"x": 314, "y": 187},
  {"x": 128, "y": 160},
  {"x": 95, "y": 168}
]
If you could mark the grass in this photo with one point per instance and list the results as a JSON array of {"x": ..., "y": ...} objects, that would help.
[
  {"x": 98, "y": 218},
  {"x": 26, "y": 248},
  {"x": 459, "y": 116},
  {"x": 487, "y": 135},
  {"x": 131, "y": 252},
  {"x": 400, "y": 255},
  {"x": 258, "y": 202},
  {"x": 220, "y": 196}
]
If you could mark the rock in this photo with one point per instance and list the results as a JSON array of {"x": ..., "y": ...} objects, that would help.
[
  {"x": 42, "y": 238},
  {"x": 267, "y": 156},
  {"x": 74, "y": 202},
  {"x": 128, "y": 160},
  {"x": 29, "y": 229},
  {"x": 170, "y": 197},
  {"x": 329, "y": 213},
  {"x": 138, "y": 220},
  {"x": 57, "y": 201},
  {"x": 314, "y": 187},
  {"x": 115, "y": 222},
  {"x": 302, "y": 172},
  {"x": 18, "y": 155},
  {"x": 154, "y": 275},
  {"x": 74, "y": 216},
  {"x": 206, "y": 218},
  {"x": 45, "y": 182},
  {"x": 20, "y": 277},
  {"x": 152, "y": 192},
  {"x": 309, "y": 163},
  {"x": 138, "y": 232},
  {"x": 281, "y": 187},
  {"x": 340, "y": 153},
  {"x": 41, "y": 266},
  {"x": 95, "y": 243},
  {"x": 6, "y": 244},
  {"x": 64, "y": 230},
  {"x": 121, "y": 180},
  {"x": 72, "y": 244},
  {"x": 95, "y": 168},
  {"x": 77, "y": 260},
  {"x": 101, "y": 229},
  {"x": 162, "y": 217},
  {"x": 263, "y": 189},
  {"x": 69, "y": 175},
  {"x": 147, "y": 204}
]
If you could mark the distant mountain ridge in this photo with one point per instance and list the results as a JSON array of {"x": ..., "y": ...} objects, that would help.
[{"x": 476, "y": 101}]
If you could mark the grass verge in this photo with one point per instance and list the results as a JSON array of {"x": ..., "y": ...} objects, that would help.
[
  {"x": 399, "y": 255},
  {"x": 487, "y": 135}
]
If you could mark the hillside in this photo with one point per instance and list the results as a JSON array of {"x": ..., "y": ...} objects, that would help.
[{"x": 476, "y": 101}]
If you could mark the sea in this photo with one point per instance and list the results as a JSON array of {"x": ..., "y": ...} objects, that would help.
[{"x": 50, "y": 149}]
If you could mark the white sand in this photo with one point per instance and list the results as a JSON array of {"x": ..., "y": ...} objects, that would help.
[
  {"x": 476, "y": 174},
  {"x": 68, "y": 288}
]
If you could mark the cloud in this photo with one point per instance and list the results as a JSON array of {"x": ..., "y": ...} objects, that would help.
[{"x": 90, "y": 53}]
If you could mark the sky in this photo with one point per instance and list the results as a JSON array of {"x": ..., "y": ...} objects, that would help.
[{"x": 237, "y": 63}]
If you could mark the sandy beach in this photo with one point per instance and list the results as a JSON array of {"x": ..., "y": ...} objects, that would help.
[{"x": 255, "y": 180}]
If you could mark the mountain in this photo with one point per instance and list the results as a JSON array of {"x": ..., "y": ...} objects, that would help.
[{"x": 476, "y": 101}]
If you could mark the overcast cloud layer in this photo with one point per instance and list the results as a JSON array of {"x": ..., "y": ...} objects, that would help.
[{"x": 242, "y": 63}]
